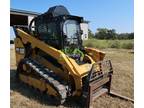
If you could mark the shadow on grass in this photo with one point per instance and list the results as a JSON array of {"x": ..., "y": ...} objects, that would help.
[{"x": 34, "y": 94}]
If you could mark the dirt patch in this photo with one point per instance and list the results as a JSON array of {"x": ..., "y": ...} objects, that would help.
[{"x": 23, "y": 96}]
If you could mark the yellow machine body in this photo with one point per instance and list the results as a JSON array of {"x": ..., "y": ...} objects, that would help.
[{"x": 71, "y": 67}]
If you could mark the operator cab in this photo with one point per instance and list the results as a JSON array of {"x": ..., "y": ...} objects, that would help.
[{"x": 59, "y": 29}]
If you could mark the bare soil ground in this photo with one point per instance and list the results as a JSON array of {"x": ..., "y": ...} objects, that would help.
[{"x": 23, "y": 96}]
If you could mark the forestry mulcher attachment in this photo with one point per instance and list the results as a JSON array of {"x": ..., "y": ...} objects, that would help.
[{"x": 50, "y": 57}]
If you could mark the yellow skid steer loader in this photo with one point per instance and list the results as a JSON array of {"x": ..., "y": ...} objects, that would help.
[{"x": 50, "y": 57}]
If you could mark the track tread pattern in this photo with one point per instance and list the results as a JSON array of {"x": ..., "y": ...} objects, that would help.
[{"x": 48, "y": 76}]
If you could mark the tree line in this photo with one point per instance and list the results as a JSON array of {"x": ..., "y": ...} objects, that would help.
[{"x": 104, "y": 33}]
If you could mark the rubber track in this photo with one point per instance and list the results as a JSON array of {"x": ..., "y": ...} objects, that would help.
[{"x": 49, "y": 77}]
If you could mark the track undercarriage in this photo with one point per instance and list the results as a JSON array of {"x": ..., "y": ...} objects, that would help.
[{"x": 34, "y": 74}]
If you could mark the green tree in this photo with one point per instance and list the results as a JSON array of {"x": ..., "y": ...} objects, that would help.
[
  {"x": 131, "y": 36},
  {"x": 90, "y": 34},
  {"x": 126, "y": 36},
  {"x": 104, "y": 33},
  {"x": 111, "y": 34}
]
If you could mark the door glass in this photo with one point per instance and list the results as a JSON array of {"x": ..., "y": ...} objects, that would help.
[{"x": 71, "y": 30}]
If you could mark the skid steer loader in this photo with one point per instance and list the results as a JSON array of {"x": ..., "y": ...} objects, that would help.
[{"x": 50, "y": 56}]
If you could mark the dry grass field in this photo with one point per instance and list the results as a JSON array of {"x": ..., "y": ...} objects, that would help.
[{"x": 23, "y": 96}]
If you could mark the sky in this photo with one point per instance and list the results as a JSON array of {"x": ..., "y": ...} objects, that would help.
[{"x": 111, "y": 14}]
